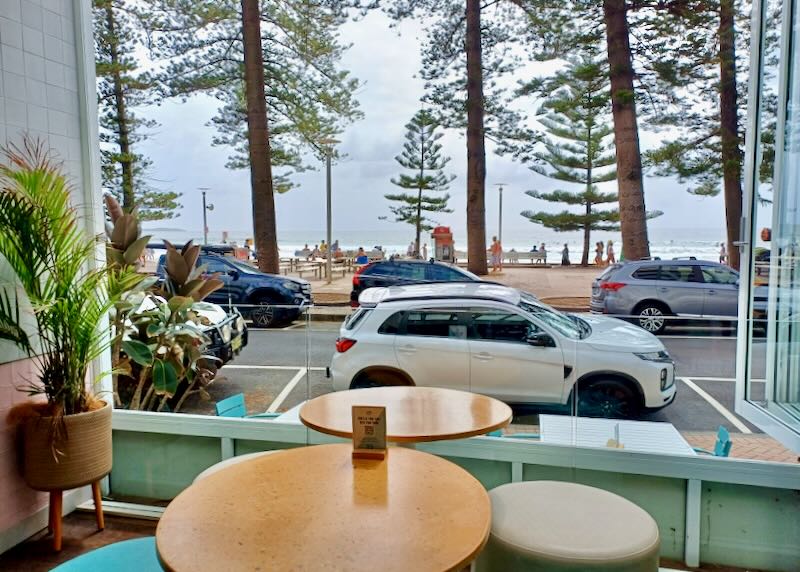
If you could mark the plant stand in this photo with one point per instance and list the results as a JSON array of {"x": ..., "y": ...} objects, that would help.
[{"x": 56, "y": 506}]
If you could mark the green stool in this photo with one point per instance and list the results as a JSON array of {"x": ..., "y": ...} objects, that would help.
[{"x": 137, "y": 555}]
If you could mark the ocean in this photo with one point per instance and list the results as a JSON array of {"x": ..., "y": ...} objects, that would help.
[{"x": 664, "y": 243}]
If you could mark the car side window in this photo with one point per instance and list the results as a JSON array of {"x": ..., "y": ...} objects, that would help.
[
  {"x": 435, "y": 323},
  {"x": 718, "y": 275},
  {"x": 444, "y": 273},
  {"x": 499, "y": 326},
  {"x": 677, "y": 274},
  {"x": 214, "y": 265},
  {"x": 391, "y": 326},
  {"x": 412, "y": 271},
  {"x": 381, "y": 270},
  {"x": 646, "y": 273}
]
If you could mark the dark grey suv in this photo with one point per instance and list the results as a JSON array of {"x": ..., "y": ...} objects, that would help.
[{"x": 651, "y": 290}]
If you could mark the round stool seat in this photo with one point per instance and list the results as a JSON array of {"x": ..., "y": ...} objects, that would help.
[
  {"x": 232, "y": 461},
  {"x": 136, "y": 555},
  {"x": 556, "y": 526}
]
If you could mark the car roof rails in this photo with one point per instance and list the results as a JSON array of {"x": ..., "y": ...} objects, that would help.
[
  {"x": 650, "y": 258},
  {"x": 684, "y": 258}
]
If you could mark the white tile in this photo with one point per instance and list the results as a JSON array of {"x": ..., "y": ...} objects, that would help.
[
  {"x": 53, "y": 49},
  {"x": 74, "y": 128},
  {"x": 68, "y": 30},
  {"x": 16, "y": 113},
  {"x": 1, "y": 86},
  {"x": 34, "y": 67},
  {"x": 59, "y": 144},
  {"x": 54, "y": 73},
  {"x": 37, "y": 117},
  {"x": 11, "y": 9},
  {"x": 52, "y": 24},
  {"x": 2, "y": 133},
  {"x": 57, "y": 121},
  {"x": 13, "y": 60},
  {"x": 36, "y": 92},
  {"x": 31, "y": 14},
  {"x": 2, "y": 111},
  {"x": 70, "y": 78},
  {"x": 33, "y": 40},
  {"x": 57, "y": 98},
  {"x": 72, "y": 102},
  {"x": 14, "y": 86},
  {"x": 10, "y": 33},
  {"x": 74, "y": 149}
]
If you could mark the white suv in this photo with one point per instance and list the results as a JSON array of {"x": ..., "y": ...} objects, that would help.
[{"x": 502, "y": 342}]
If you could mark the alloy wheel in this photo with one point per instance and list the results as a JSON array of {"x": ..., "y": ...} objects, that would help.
[
  {"x": 651, "y": 319},
  {"x": 263, "y": 315}
]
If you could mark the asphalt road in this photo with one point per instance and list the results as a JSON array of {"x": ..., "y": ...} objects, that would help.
[{"x": 280, "y": 368}]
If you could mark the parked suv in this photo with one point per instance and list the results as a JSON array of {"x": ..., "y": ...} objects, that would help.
[
  {"x": 398, "y": 272},
  {"x": 267, "y": 299},
  {"x": 649, "y": 291},
  {"x": 492, "y": 339}
]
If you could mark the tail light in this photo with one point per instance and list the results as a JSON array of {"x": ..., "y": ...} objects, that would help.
[
  {"x": 612, "y": 286},
  {"x": 356, "y": 279},
  {"x": 344, "y": 344},
  {"x": 354, "y": 304}
]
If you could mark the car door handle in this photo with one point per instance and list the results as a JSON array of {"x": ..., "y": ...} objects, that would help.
[
  {"x": 662, "y": 289},
  {"x": 483, "y": 356},
  {"x": 407, "y": 349},
  {"x": 711, "y": 292}
]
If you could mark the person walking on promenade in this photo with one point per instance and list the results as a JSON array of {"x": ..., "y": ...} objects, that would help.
[
  {"x": 610, "y": 257},
  {"x": 314, "y": 253},
  {"x": 723, "y": 255},
  {"x": 598, "y": 254},
  {"x": 496, "y": 250},
  {"x": 425, "y": 251},
  {"x": 565, "y": 255}
]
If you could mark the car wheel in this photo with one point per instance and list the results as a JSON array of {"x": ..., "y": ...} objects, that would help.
[
  {"x": 377, "y": 379},
  {"x": 652, "y": 318},
  {"x": 610, "y": 398},
  {"x": 263, "y": 315}
]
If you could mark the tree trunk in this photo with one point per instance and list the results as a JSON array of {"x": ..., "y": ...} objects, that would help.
[
  {"x": 476, "y": 153},
  {"x": 587, "y": 230},
  {"x": 633, "y": 216},
  {"x": 729, "y": 129},
  {"x": 419, "y": 224},
  {"x": 266, "y": 240},
  {"x": 121, "y": 117}
]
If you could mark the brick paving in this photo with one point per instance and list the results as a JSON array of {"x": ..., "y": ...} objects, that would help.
[{"x": 754, "y": 446}]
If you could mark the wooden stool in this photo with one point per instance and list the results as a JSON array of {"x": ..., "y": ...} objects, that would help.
[
  {"x": 57, "y": 507},
  {"x": 566, "y": 527},
  {"x": 232, "y": 461}
]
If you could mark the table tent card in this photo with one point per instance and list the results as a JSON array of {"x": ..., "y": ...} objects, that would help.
[{"x": 369, "y": 432}]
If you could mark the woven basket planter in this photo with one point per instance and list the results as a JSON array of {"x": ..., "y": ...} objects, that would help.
[{"x": 86, "y": 451}]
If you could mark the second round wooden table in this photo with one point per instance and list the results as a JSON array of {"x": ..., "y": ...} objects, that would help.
[{"x": 413, "y": 414}]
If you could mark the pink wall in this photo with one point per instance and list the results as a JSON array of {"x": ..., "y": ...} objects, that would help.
[{"x": 18, "y": 501}]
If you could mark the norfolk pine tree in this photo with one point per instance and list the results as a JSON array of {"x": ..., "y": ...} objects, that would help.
[
  {"x": 422, "y": 156},
  {"x": 575, "y": 115},
  {"x": 121, "y": 86}
]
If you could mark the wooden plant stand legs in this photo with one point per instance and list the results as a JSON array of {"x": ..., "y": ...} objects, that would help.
[{"x": 56, "y": 508}]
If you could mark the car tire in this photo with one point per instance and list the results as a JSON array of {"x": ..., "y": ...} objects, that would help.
[
  {"x": 377, "y": 379},
  {"x": 652, "y": 317},
  {"x": 610, "y": 398}
]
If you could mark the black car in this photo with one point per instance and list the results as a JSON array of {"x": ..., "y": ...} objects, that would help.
[
  {"x": 267, "y": 299},
  {"x": 394, "y": 272}
]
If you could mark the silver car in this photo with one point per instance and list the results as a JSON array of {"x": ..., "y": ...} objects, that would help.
[{"x": 649, "y": 291}]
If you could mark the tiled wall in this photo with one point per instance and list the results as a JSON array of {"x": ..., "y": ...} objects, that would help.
[{"x": 39, "y": 96}]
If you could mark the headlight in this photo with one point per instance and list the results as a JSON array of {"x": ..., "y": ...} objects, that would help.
[
  {"x": 293, "y": 286},
  {"x": 666, "y": 381},
  {"x": 239, "y": 324},
  {"x": 661, "y": 356},
  {"x": 226, "y": 333}
]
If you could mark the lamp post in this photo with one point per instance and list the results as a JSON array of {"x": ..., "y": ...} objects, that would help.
[
  {"x": 328, "y": 144},
  {"x": 500, "y": 215},
  {"x": 206, "y": 208}
]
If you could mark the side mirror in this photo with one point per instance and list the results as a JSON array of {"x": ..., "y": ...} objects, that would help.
[
  {"x": 234, "y": 274},
  {"x": 541, "y": 340}
]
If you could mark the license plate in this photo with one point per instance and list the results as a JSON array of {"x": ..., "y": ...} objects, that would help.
[{"x": 236, "y": 343}]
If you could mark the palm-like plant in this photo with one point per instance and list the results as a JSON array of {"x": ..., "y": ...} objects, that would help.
[{"x": 54, "y": 262}]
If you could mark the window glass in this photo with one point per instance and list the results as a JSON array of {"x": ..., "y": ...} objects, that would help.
[
  {"x": 437, "y": 323},
  {"x": 353, "y": 320},
  {"x": 499, "y": 326},
  {"x": 412, "y": 271},
  {"x": 214, "y": 265},
  {"x": 677, "y": 274},
  {"x": 392, "y": 324},
  {"x": 719, "y": 275},
  {"x": 438, "y": 272},
  {"x": 379, "y": 270},
  {"x": 646, "y": 273}
]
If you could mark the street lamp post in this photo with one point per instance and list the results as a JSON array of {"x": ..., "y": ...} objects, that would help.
[
  {"x": 206, "y": 208},
  {"x": 500, "y": 215},
  {"x": 328, "y": 143}
]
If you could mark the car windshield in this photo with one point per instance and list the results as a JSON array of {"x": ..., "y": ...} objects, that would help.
[
  {"x": 242, "y": 267},
  {"x": 567, "y": 324}
]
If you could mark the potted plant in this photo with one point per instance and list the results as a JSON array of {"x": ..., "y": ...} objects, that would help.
[{"x": 64, "y": 295}]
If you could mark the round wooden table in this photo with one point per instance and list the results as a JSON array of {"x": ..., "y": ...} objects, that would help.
[
  {"x": 413, "y": 414},
  {"x": 317, "y": 508}
]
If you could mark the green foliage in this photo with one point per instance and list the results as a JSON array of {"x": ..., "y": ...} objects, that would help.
[
  {"x": 422, "y": 156},
  {"x": 308, "y": 96},
  {"x": 53, "y": 259},
  {"x": 121, "y": 87}
]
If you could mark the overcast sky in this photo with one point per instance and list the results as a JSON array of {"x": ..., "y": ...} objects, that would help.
[{"x": 387, "y": 63}]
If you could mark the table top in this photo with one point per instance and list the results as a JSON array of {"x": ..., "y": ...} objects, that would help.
[
  {"x": 640, "y": 436},
  {"x": 316, "y": 508},
  {"x": 413, "y": 414}
]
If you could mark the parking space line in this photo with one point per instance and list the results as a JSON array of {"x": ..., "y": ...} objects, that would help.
[
  {"x": 278, "y": 367},
  {"x": 273, "y": 407},
  {"x": 716, "y": 405},
  {"x": 729, "y": 379}
]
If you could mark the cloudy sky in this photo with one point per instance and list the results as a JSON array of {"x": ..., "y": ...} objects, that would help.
[{"x": 387, "y": 64}]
